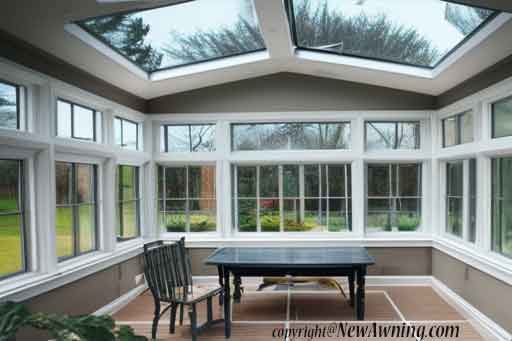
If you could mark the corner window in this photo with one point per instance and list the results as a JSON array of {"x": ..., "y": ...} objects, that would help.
[
  {"x": 458, "y": 129},
  {"x": 128, "y": 203},
  {"x": 292, "y": 198},
  {"x": 393, "y": 201},
  {"x": 392, "y": 135},
  {"x": 12, "y": 219},
  {"x": 11, "y": 105},
  {"x": 126, "y": 133},
  {"x": 78, "y": 122},
  {"x": 290, "y": 136},
  {"x": 189, "y": 138},
  {"x": 502, "y": 118},
  {"x": 187, "y": 199},
  {"x": 76, "y": 211},
  {"x": 502, "y": 206}
]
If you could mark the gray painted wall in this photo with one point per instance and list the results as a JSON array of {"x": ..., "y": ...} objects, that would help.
[
  {"x": 489, "y": 295},
  {"x": 290, "y": 92}
]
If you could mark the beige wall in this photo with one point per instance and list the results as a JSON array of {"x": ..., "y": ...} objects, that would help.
[{"x": 489, "y": 295}]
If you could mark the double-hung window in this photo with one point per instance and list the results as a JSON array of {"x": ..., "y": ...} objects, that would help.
[
  {"x": 76, "y": 212},
  {"x": 186, "y": 199},
  {"x": 292, "y": 198},
  {"x": 502, "y": 118},
  {"x": 126, "y": 133},
  {"x": 502, "y": 205},
  {"x": 78, "y": 122},
  {"x": 188, "y": 138},
  {"x": 387, "y": 135},
  {"x": 12, "y": 219},
  {"x": 393, "y": 197},
  {"x": 128, "y": 202},
  {"x": 11, "y": 105},
  {"x": 458, "y": 129}
]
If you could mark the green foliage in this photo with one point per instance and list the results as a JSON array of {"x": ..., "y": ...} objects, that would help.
[
  {"x": 14, "y": 316},
  {"x": 127, "y": 34},
  {"x": 203, "y": 45}
]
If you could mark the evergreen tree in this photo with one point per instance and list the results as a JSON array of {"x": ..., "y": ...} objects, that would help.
[
  {"x": 127, "y": 34},
  {"x": 464, "y": 18}
]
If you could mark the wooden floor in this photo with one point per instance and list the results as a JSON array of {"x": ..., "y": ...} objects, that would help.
[{"x": 259, "y": 313}]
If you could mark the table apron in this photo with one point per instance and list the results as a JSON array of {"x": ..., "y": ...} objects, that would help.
[{"x": 294, "y": 271}]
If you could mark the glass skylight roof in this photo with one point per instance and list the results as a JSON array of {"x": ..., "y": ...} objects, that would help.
[
  {"x": 180, "y": 34},
  {"x": 419, "y": 33}
]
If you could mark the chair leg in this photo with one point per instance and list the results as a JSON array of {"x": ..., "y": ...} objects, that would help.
[
  {"x": 209, "y": 309},
  {"x": 172, "y": 325},
  {"x": 181, "y": 314},
  {"x": 155, "y": 320},
  {"x": 193, "y": 321}
]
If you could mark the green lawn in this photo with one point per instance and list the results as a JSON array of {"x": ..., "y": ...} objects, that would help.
[
  {"x": 198, "y": 222},
  {"x": 10, "y": 245}
]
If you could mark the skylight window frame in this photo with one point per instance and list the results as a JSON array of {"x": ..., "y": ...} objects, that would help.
[
  {"x": 293, "y": 31},
  {"x": 149, "y": 73}
]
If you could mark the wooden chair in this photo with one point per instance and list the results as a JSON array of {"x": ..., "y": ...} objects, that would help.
[{"x": 168, "y": 275}]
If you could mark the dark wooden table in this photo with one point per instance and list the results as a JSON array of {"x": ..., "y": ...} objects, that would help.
[{"x": 351, "y": 262}]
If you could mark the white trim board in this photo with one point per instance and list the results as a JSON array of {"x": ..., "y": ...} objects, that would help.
[{"x": 119, "y": 303}]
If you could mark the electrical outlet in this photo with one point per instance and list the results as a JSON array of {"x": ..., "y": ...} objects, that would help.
[{"x": 139, "y": 279}]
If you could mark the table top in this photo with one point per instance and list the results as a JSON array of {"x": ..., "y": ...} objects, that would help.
[{"x": 291, "y": 256}]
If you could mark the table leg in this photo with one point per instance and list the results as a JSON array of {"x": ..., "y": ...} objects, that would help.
[
  {"x": 227, "y": 304},
  {"x": 221, "y": 283},
  {"x": 360, "y": 305},
  {"x": 351, "y": 287},
  {"x": 237, "y": 294}
]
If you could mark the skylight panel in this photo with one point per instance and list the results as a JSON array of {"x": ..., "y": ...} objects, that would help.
[
  {"x": 418, "y": 33},
  {"x": 180, "y": 34}
]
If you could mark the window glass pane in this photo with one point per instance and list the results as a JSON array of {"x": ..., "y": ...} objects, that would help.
[
  {"x": 269, "y": 182},
  {"x": 202, "y": 215},
  {"x": 408, "y": 180},
  {"x": 450, "y": 131},
  {"x": 83, "y": 126},
  {"x": 87, "y": 228},
  {"x": 502, "y": 206},
  {"x": 386, "y": 30},
  {"x": 270, "y": 219},
  {"x": 338, "y": 215},
  {"x": 10, "y": 200},
  {"x": 85, "y": 183},
  {"x": 336, "y": 180},
  {"x": 311, "y": 181},
  {"x": 454, "y": 171},
  {"x": 130, "y": 135},
  {"x": 378, "y": 215},
  {"x": 99, "y": 127},
  {"x": 244, "y": 137},
  {"x": 467, "y": 127},
  {"x": 118, "y": 131},
  {"x": 63, "y": 119},
  {"x": 380, "y": 135},
  {"x": 247, "y": 215},
  {"x": 64, "y": 230},
  {"x": 292, "y": 216},
  {"x": 408, "y": 135},
  {"x": 454, "y": 216},
  {"x": 502, "y": 118},
  {"x": 130, "y": 220},
  {"x": 290, "y": 181},
  {"x": 178, "y": 138},
  {"x": 472, "y": 200},
  {"x": 201, "y": 182},
  {"x": 274, "y": 136},
  {"x": 246, "y": 182},
  {"x": 127, "y": 177},
  {"x": 181, "y": 33},
  {"x": 63, "y": 179},
  {"x": 408, "y": 214},
  {"x": 202, "y": 138},
  {"x": 8, "y": 107},
  {"x": 176, "y": 182},
  {"x": 378, "y": 180},
  {"x": 11, "y": 244},
  {"x": 176, "y": 216}
]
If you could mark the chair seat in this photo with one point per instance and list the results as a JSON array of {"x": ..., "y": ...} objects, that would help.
[{"x": 198, "y": 294}]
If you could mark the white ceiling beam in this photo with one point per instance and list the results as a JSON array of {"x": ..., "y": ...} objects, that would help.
[{"x": 274, "y": 27}]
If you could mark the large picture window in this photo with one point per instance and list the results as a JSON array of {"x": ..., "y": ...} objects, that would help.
[
  {"x": 12, "y": 222},
  {"x": 126, "y": 133},
  {"x": 290, "y": 136},
  {"x": 292, "y": 198},
  {"x": 188, "y": 138},
  {"x": 128, "y": 203},
  {"x": 187, "y": 198},
  {"x": 78, "y": 122},
  {"x": 392, "y": 135},
  {"x": 11, "y": 105},
  {"x": 393, "y": 197},
  {"x": 502, "y": 118},
  {"x": 458, "y": 129},
  {"x": 76, "y": 213},
  {"x": 502, "y": 206}
]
